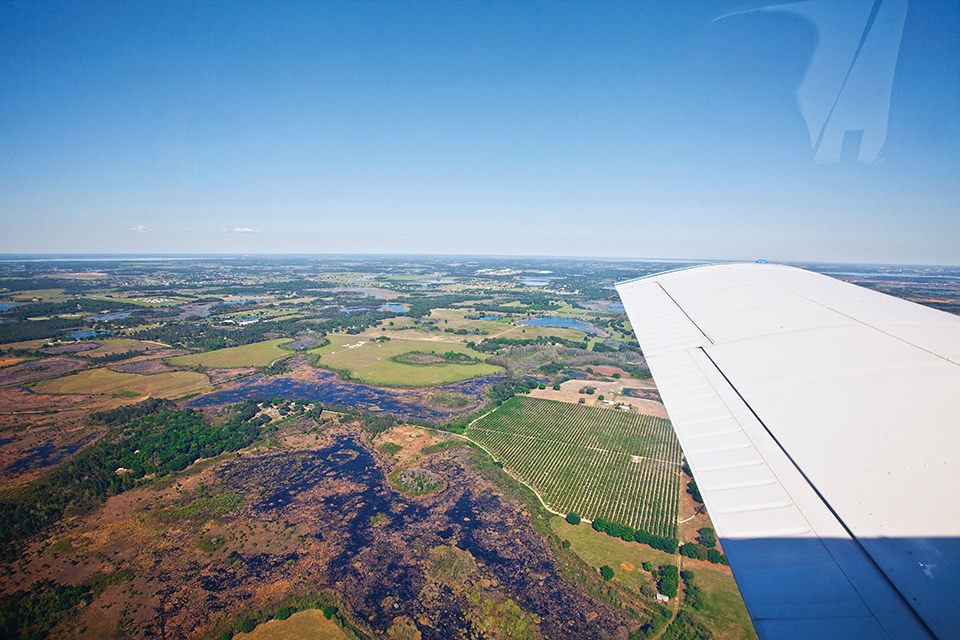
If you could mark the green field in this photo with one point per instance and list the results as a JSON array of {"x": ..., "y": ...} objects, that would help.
[
  {"x": 597, "y": 462},
  {"x": 725, "y": 612},
  {"x": 161, "y": 385},
  {"x": 371, "y": 361},
  {"x": 258, "y": 354}
]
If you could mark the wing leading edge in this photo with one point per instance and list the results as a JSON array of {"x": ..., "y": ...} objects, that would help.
[{"x": 819, "y": 419}]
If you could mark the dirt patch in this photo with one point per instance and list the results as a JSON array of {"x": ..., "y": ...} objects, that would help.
[
  {"x": 628, "y": 567},
  {"x": 411, "y": 442},
  {"x": 144, "y": 367},
  {"x": 614, "y": 392}
]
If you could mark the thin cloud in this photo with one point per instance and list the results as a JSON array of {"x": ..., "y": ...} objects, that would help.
[
  {"x": 140, "y": 229},
  {"x": 246, "y": 230}
]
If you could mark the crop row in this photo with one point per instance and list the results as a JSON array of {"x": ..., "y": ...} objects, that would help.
[{"x": 596, "y": 462}]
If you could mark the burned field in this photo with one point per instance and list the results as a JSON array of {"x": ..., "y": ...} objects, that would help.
[{"x": 316, "y": 515}]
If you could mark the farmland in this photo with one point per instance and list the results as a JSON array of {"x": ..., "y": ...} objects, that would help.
[
  {"x": 259, "y": 354},
  {"x": 620, "y": 466}
]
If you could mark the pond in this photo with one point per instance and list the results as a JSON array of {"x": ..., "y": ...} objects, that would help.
[
  {"x": 563, "y": 323},
  {"x": 4, "y": 306},
  {"x": 115, "y": 316}
]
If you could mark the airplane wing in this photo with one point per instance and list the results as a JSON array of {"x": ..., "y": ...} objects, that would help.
[{"x": 821, "y": 421}]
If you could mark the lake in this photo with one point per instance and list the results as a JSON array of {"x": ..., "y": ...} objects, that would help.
[{"x": 562, "y": 323}]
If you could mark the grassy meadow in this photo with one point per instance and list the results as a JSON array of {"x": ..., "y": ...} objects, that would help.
[
  {"x": 371, "y": 361},
  {"x": 93, "y": 381},
  {"x": 258, "y": 354}
]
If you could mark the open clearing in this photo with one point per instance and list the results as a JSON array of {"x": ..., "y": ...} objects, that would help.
[
  {"x": 724, "y": 605},
  {"x": 258, "y": 354},
  {"x": 162, "y": 385},
  {"x": 305, "y": 625},
  {"x": 370, "y": 361},
  {"x": 618, "y": 465}
]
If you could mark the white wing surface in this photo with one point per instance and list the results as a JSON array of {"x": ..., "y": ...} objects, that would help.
[{"x": 822, "y": 423}]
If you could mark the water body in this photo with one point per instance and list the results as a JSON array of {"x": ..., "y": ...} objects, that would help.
[
  {"x": 488, "y": 318},
  {"x": 4, "y": 307},
  {"x": 80, "y": 335},
  {"x": 115, "y": 316},
  {"x": 327, "y": 389},
  {"x": 396, "y": 308},
  {"x": 607, "y": 306},
  {"x": 563, "y": 323}
]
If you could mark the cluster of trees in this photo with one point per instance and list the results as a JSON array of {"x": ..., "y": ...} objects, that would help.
[
  {"x": 703, "y": 548},
  {"x": 153, "y": 439},
  {"x": 113, "y": 357},
  {"x": 694, "y": 491},
  {"x": 506, "y": 388},
  {"x": 493, "y": 345},
  {"x": 628, "y": 534},
  {"x": 668, "y": 579},
  {"x": 30, "y": 613}
]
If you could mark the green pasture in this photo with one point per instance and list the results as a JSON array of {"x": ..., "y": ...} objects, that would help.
[
  {"x": 258, "y": 354},
  {"x": 370, "y": 361},
  {"x": 46, "y": 295},
  {"x": 104, "y": 381}
]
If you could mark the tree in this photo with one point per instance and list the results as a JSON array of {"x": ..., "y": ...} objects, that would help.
[
  {"x": 606, "y": 572},
  {"x": 573, "y": 518}
]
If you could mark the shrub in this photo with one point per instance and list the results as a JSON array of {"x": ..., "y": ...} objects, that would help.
[
  {"x": 606, "y": 572},
  {"x": 556, "y": 387},
  {"x": 247, "y": 625},
  {"x": 573, "y": 518}
]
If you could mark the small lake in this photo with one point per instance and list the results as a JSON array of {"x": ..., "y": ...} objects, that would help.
[
  {"x": 562, "y": 323},
  {"x": 4, "y": 307},
  {"x": 81, "y": 335},
  {"x": 396, "y": 308},
  {"x": 115, "y": 316},
  {"x": 607, "y": 306}
]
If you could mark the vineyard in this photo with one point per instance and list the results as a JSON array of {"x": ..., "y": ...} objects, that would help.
[{"x": 622, "y": 467}]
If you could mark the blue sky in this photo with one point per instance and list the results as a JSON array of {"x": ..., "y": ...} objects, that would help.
[{"x": 628, "y": 129}]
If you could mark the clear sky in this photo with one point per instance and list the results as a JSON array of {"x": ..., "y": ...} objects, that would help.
[{"x": 825, "y": 131}]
